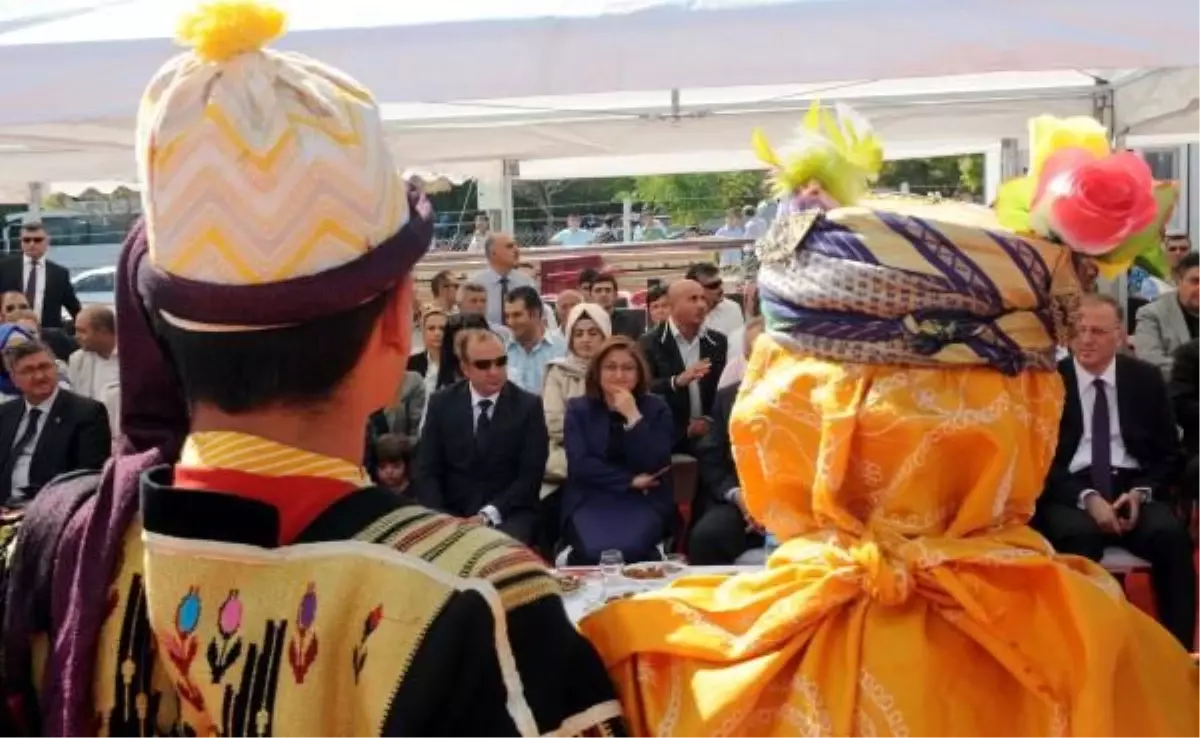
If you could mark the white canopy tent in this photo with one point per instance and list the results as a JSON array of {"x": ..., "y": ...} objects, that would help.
[{"x": 591, "y": 84}]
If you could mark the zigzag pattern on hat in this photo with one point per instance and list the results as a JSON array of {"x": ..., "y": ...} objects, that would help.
[{"x": 265, "y": 168}]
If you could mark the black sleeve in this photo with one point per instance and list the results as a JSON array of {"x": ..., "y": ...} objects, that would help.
[
  {"x": 427, "y": 477},
  {"x": 562, "y": 674},
  {"x": 1161, "y": 467},
  {"x": 717, "y": 472},
  {"x": 659, "y": 384},
  {"x": 94, "y": 438},
  {"x": 456, "y": 685},
  {"x": 70, "y": 300},
  {"x": 1185, "y": 383}
]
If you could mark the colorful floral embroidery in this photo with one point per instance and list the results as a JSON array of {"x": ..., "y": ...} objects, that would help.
[
  {"x": 224, "y": 653},
  {"x": 182, "y": 647},
  {"x": 359, "y": 657},
  {"x": 302, "y": 648}
]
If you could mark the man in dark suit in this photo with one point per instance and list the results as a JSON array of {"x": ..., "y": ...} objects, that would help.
[
  {"x": 483, "y": 450},
  {"x": 1116, "y": 457},
  {"x": 686, "y": 361},
  {"x": 722, "y": 530},
  {"x": 624, "y": 323},
  {"x": 45, "y": 284},
  {"x": 1185, "y": 397},
  {"x": 49, "y": 431}
]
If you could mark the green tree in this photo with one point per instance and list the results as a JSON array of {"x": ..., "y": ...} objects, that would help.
[
  {"x": 690, "y": 199},
  {"x": 546, "y": 203},
  {"x": 947, "y": 175}
]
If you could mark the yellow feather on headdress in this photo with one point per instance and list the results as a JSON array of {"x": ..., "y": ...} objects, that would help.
[{"x": 835, "y": 148}]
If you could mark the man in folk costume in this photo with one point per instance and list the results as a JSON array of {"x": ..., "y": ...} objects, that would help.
[
  {"x": 894, "y": 432},
  {"x": 265, "y": 586}
]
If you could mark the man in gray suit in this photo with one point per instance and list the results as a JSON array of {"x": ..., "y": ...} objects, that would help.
[{"x": 1171, "y": 320}]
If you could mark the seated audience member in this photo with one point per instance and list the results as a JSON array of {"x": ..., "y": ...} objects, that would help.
[
  {"x": 604, "y": 294},
  {"x": 1185, "y": 398},
  {"x": 472, "y": 299},
  {"x": 686, "y": 360},
  {"x": 403, "y": 417},
  {"x": 739, "y": 353},
  {"x": 722, "y": 531},
  {"x": 94, "y": 365},
  {"x": 483, "y": 449},
  {"x": 11, "y": 302},
  {"x": 618, "y": 439},
  {"x": 587, "y": 277},
  {"x": 393, "y": 462},
  {"x": 59, "y": 342},
  {"x": 564, "y": 303},
  {"x": 658, "y": 308},
  {"x": 1171, "y": 320},
  {"x": 724, "y": 315},
  {"x": 531, "y": 346},
  {"x": 426, "y": 363},
  {"x": 444, "y": 287},
  {"x": 587, "y": 328},
  {"x": 49, "y": 431},
  {"x": 449, "y": 371},
  {"x": 1175, "y": 246},
  {"x": 1115, "y": 461}
]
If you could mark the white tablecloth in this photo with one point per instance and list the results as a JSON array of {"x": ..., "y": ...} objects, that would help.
[{"x": 584, "y": 600}]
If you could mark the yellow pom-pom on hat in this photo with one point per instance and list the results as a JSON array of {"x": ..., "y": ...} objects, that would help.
[
  {"x": 260, "y": 166},
  {"x": 220, "y": 30}
]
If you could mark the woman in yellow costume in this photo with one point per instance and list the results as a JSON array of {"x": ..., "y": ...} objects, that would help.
[{"x": 894, "y": 431}]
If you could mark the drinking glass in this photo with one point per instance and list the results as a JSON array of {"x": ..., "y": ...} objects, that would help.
[{"x": 611, "y": 564}]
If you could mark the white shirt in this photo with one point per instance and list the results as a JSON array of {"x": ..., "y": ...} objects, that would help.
[
  {"x": 488, "y": 511},
  {"x": 89, "y": 373},
  {"x": 476, "y": 244},
  {"x": 689, "y": 351},
  {"x": 731, "y": 257},
  {"x": 1087, "y": 401},
  {"x": 40, "y": 292},
  {"x": 20, "y": 473},
  {"x": 725, "y": 318}
]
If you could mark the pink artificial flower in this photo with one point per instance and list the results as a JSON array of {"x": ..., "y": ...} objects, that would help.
[{"x": 1094, "y": 203}]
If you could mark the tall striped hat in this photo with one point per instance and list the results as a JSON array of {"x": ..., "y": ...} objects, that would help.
[{"x": 262, "y": 169}]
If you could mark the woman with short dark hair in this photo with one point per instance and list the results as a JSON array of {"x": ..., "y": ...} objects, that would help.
[{"x": 618, "y": 438}]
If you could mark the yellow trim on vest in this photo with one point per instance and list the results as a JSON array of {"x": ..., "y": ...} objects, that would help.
[{"x": 256, "y": 455}]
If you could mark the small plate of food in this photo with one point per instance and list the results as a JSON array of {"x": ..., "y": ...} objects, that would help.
[
  {"x": 646, "y": 570},
  {"x": 569, "y": 582}
]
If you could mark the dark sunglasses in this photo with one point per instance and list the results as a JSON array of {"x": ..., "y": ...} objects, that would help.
[
  {"x": 712, "y": 285},
  {"x": 1181, "y": 249},
  {"x": 14, "y": 308},
  {"x": 484, "y": 364},
  {"x": 32, "y": 239}
]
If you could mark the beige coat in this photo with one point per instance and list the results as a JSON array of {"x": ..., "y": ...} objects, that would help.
[{"x": 564, "y": 380}]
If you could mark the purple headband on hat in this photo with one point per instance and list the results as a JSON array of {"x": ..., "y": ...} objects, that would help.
[{"x": 154, "y": 423}]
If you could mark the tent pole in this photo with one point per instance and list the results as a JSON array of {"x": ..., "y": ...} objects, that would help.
[{"x": 36, "y": 194}]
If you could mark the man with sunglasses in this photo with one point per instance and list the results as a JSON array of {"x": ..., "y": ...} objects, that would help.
[
  {"x": 724, "y": 316},
  {"x": 483, "y": 450},
  {"x": 46, "y": 285}
]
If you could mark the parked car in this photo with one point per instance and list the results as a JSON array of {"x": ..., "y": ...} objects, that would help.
[{"x": 95, "y": 287}]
